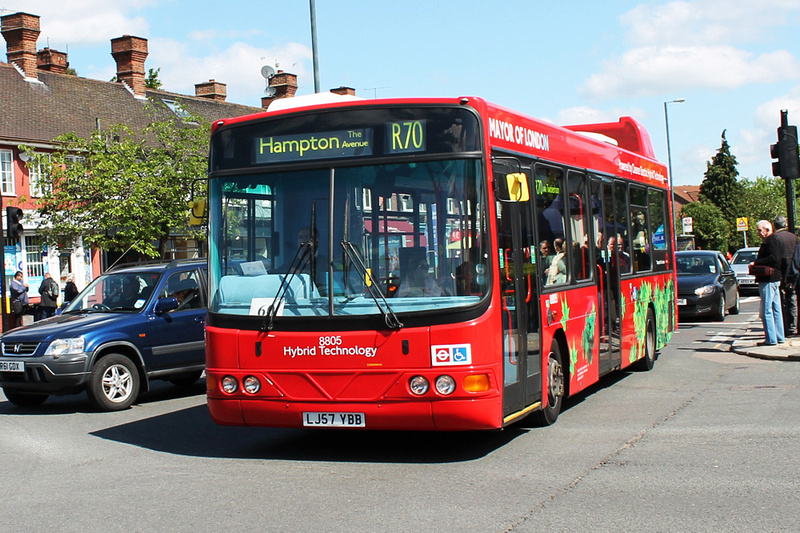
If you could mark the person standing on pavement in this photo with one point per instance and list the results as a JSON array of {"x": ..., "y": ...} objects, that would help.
[
  {"x": 48, "y": 291},
  {"x": 70, "y": 289},
  {"x": 787, "y": 243},
  {"x": 19, "y": 298},
  {"x": 769, "y": 281}
]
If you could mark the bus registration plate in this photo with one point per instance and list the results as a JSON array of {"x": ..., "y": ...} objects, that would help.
[
  {"x": 334, "y": 420},
  {"x": 12, "y": 366}
]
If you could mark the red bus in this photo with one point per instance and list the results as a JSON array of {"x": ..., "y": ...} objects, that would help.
[{"x": 429, "y": 264}]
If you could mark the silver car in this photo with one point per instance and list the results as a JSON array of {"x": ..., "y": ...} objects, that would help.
[{"x": 740, "y": 263}]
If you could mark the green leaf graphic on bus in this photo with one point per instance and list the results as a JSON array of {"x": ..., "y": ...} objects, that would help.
[
  {"x": 588, "y": 334},
  {"x": 573, "y": 359},
  {"x": 640, "y": 320},
  {"x": 564, "y": 314}
]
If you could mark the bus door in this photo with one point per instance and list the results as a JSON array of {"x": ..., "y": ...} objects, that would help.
[
  {"x": 518, "y": 292},
  {"x": 607, "y": 275}
]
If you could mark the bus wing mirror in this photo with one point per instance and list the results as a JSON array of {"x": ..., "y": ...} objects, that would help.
[
  {"x": 197, "y": 212},
  {"x": 517, "y": 187}
]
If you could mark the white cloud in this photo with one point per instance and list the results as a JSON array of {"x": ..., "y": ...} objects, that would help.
[
  {"x": 754, "y": 146},
  {"x": 590, "y": 115},
  {"x": 238, "y": 66},
  {"x": 80, "y": 22},
  {"x": 654, "y": 70},
  {"x": 682, "y": 45},
  {"x": 705, "y": 22}
]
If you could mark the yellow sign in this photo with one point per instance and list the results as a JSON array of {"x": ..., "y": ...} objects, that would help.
[{"x": 741, "y": 224}]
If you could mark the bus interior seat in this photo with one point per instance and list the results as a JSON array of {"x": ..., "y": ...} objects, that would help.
[{"x": 242, "y": 289}]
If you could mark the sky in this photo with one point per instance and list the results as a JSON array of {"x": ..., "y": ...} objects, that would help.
[{"x": 735, "y": 62}]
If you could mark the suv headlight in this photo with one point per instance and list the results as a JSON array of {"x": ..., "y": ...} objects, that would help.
[{"x": 61, "y": 347}]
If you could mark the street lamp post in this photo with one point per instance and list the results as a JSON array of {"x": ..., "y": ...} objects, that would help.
[
  {"x": 669, "y": 157},
  {"x": 314, "y": 53}
]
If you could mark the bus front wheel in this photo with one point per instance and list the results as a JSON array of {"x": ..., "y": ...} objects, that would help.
[{"x": 555, "y": 387}]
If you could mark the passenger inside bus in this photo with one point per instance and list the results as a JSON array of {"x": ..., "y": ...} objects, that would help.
[
  {"x": 557, "y": 272},
  {"x": 419, "y": 282}
]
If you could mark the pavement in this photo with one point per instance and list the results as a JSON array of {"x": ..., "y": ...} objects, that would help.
[{"x": 747, "y": 344}]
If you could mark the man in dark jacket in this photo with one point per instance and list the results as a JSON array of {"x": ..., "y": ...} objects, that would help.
[
  {"x": 787, "y": 243},
  {"x": 769, "y": 255},
  {"x": 48, "y": 291}
]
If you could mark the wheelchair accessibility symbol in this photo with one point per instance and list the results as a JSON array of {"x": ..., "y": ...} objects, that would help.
[{"x": 451, "y": 354}]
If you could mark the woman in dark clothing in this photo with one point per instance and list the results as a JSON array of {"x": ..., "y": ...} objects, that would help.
[{"x": 70, "y": 289}]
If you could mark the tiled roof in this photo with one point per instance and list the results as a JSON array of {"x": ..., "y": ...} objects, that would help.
[
  {"x": 38, "y": 111},
  {"x": 686, "y": 194}
]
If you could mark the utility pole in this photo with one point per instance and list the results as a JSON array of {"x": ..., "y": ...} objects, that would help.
[{"x": 314, "y": 52}]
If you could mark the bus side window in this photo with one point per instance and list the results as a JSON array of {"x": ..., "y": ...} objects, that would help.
[
  {"x": 640, "y": 233},
  {"x": 579, "y": 224},
  {"x": 550, "y": 207}
]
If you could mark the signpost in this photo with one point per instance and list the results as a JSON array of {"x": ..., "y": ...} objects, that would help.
[{"x": 742, "y": 225}]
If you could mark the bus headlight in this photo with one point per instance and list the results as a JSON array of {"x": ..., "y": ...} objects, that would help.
[
  {"x": 445, "y": 385},
  {"x": 229, "y": 384},
  {"x": 251, "y": 384},
  {"x": 419, "y": 385}
]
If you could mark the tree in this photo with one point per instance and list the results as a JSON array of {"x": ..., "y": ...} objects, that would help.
[
  {"x": 762, "y": 199},
  {"x": 122, "y": 190},
  {"x": 720, "y": 185},
  {"x": 711, "y": 230},
  {"x": 152, "y": 81}
]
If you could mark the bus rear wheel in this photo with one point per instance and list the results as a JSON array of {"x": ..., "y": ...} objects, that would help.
[
  {"x": 555, "y": 387},
  {"x": 649, "y": 360}
]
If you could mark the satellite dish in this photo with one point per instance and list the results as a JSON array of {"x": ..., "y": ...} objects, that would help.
[
  {"x": 269, "y": 91},
  {"x": 267, "y": 72}
]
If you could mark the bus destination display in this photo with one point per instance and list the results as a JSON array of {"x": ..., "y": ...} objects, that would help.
[
  {"x": 308, "y": 146},
  {"x": 405, "y": 137},
  {"x": 408, "y": 136}
]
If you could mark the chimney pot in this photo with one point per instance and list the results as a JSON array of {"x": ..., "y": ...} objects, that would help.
[
  {"x": 285, "y": 85},
  {"x": 211, "y": 90},
  {"x": 21, "y": 30},
  {"x": 52, "y": 61},
  {"x": 130, "y": 53},
  {"x": 344, "y": 91}
]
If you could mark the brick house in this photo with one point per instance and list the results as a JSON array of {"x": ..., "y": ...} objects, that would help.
[{"x": 41, "y": 101}]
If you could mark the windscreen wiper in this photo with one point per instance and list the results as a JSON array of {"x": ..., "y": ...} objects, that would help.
[
  {"x": 298, "y": 263},
  {"x": 391, "y": 320}
]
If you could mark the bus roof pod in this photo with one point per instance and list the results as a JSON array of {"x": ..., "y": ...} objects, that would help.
[
  {"x": 310, "y": 100},
  {"x": 627, "y": 132}
]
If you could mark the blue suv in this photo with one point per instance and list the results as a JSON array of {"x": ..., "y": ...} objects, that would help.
[{"x": 129, "y": 326}]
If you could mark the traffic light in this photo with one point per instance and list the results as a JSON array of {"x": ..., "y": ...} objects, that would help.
[
  {"x": 787, "y": 165},
  {"x": 13, "y": 222}
]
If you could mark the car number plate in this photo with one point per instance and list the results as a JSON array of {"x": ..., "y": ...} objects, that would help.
[
  {"x": 334, "y": 420},
  {"x": 748, "y": 280},
  {"x": 681, "y": 301},
  {"x": 12, "y": 366}
]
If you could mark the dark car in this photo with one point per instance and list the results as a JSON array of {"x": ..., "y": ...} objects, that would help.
[
  {"x": 707, "y": 285},
  {"x": 126, "y": 328}
]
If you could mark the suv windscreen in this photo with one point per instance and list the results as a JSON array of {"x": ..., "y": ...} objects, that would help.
[{"x": 124, "y": 291}]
